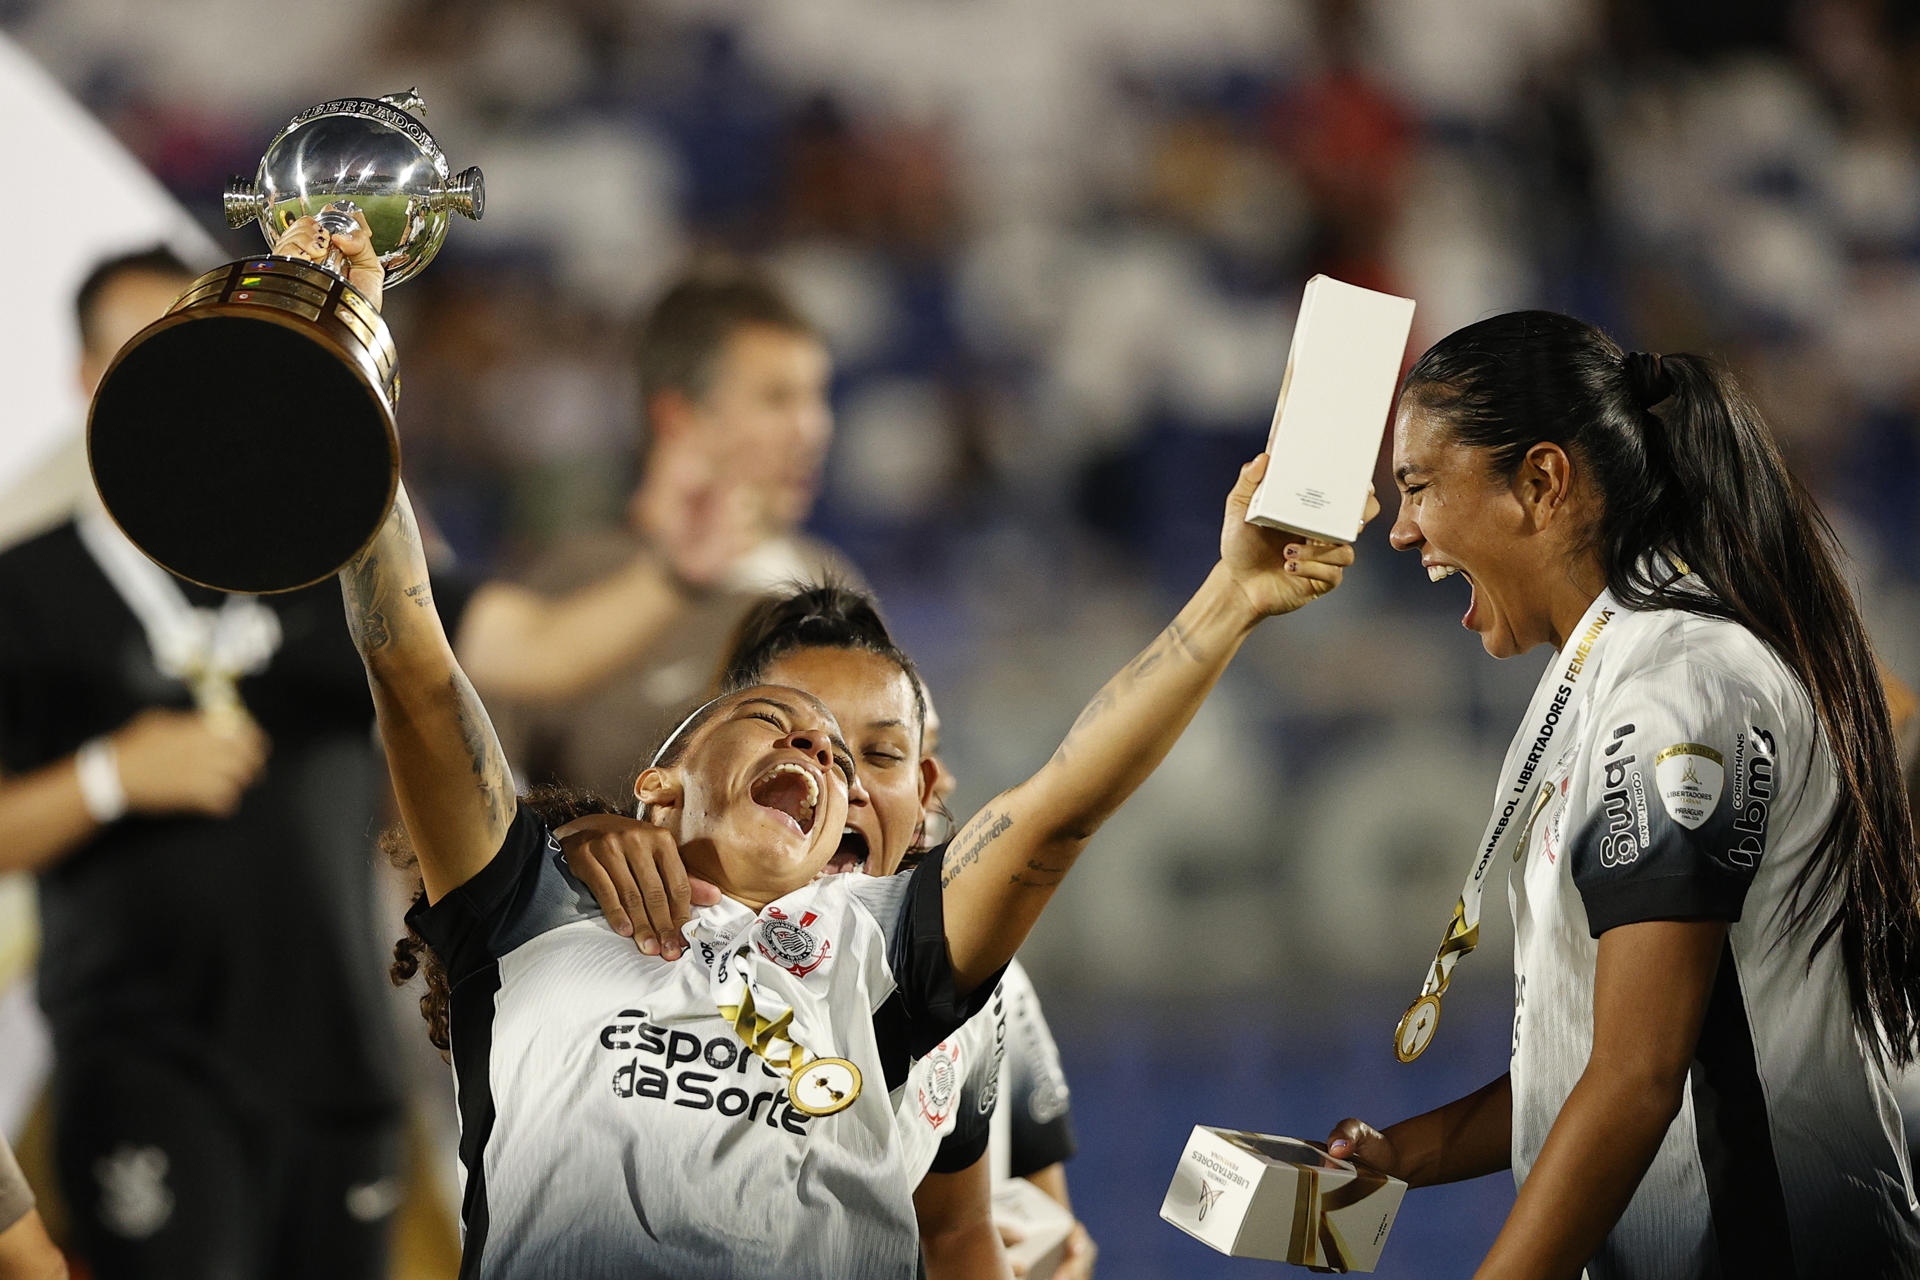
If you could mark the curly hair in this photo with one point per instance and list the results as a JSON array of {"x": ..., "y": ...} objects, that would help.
[{"x": 553, "y": 804}]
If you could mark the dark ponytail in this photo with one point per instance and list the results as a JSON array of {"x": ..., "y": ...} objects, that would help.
[
  {"x": 826, "y": 615},
  {"x": 1683, "y": 463}
]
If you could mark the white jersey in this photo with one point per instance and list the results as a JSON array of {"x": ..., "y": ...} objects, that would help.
[
  {"x": 946, "y": 1111},
  {"x": 613, "y": 1123},
  {"x": 1033, "y": 1123},
  {"x": 1688, "y": 786}
]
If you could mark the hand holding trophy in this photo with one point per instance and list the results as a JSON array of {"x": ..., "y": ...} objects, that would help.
[
  {"x": 346, "y": 250},
  {"x": 245, "y": 440}
]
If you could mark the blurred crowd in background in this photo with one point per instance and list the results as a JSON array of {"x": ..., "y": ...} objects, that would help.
[{"x": 1056, "y": 247}]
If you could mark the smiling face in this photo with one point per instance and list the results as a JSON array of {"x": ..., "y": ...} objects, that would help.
[
  {"x": 1513, "y": 539},
  {"x": 758, "y": 797},
  {"x": 873, "y": 700}
]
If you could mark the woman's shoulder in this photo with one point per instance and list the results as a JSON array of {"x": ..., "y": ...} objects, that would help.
[
  {"x": 1677, "y": 654},
  {"x": 880, "y": 898}
]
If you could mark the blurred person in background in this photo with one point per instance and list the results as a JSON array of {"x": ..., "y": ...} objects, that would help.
[
  {"x": 214, "y": 1114},
  {"x": 25, "y": 1251},
  {"x": 733, "y": 385},
  {"x": 1717, "y": 907},
  {"x": 121, "y": 296}
]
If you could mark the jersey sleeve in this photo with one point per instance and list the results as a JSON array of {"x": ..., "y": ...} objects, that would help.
[
  {"x": 925, "y": 1007},
  {"x": 1683, "y": 771},
  {"x": 523, "y": 892},
  {"x": 1039, "y": 1114},
  {"x": 986, "y": 1033}
]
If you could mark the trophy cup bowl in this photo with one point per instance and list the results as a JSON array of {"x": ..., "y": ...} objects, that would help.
[{"x": 245, "y": 440}]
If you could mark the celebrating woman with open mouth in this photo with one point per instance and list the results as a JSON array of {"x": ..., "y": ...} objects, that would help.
[
  {"x": 627, "y": 1116},
  {"x": 1715, "y": 892}
]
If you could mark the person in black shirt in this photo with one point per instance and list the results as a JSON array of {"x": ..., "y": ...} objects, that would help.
[{"x": 225, "y": 1101}]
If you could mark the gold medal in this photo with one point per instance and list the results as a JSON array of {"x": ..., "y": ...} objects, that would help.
[
  {"x": 1415, "y": 1032},
  {"x": 824, "y": 1086},
  {"x": 1417, "y": 1025}
]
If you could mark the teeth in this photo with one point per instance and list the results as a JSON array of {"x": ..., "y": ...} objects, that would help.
[
  {"x": 813, "y": 783},
  {"x": 1435, "y": 572}
]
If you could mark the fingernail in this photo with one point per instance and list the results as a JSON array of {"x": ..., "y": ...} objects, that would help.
[
  {"x": 1293, "y": 550},
  {"x": 673, "y": 953},
  {"x": 1292, "y": 567},
  {"x": 649, "y": 946},
  {"x": 624, "y": 929}
]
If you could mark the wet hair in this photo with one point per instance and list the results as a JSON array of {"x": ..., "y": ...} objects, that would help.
[
  {"x": 682, "y": 337},
  {"x": 155, "y": 261},
  {"x": 556, "y": 806},
  {"x": 826, "y": 615},
  {"x": 1683, "y": 463}
]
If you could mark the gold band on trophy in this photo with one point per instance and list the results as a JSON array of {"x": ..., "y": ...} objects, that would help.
[{"x": 816, "y": 1087}]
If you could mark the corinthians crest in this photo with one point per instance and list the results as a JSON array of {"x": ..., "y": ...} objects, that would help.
[
  {"x": 791, "y": 944},
  {"x": 939, "y": 1082}
]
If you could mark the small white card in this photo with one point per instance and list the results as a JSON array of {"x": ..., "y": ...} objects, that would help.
[
  {"x": 1255, "y": 1195},
  {"x": 1342, "y": 371}
]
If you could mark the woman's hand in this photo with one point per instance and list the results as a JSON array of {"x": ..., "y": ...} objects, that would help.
[
  {"x": 306, "y": 239},
  {"x": 699, "y": 518},
  {"x": 634, "y": 870},
  {"x": 1278, "y": 572},
  {"x": 183, "y": 762},
  {"x": 1360, "y": 1142}
]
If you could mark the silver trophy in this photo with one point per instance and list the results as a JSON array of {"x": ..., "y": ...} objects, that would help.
[
  {"x": 245, "y": 440},
  {"x": 370, "y": 154}
]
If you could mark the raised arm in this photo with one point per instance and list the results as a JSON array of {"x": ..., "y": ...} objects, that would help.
[
  {"x": 690, "y": 530},
  {"x": 449, "y": 774},
  {"x": 1003, "y": 867}
]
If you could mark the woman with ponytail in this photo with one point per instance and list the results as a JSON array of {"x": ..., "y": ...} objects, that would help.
[{"x": 1713, "y": 873}]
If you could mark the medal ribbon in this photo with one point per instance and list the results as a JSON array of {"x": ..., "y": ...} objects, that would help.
[
  {"x": 208, "y": 650},
  {"x": 1524, "y": 759},
  {"x": 770, "y": 1038},
  {"x": 757, "y": 993}
]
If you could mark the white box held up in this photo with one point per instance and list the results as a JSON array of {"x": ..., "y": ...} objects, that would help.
[
  {"x": 1341, "y": 373},
  {"x": 1254, "y": 1195}
]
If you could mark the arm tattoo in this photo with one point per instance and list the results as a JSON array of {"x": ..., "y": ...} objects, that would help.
[
  {"x": 367, "y": 585},
  {"x": 1039, "y": 875},
  {"x": 490, "y": 773},
  {"x": 1170, "y": 641},
  {"x": 979, "y": 833}
]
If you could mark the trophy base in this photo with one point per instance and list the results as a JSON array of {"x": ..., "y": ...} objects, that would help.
[{"x": 244, "y": 448}]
